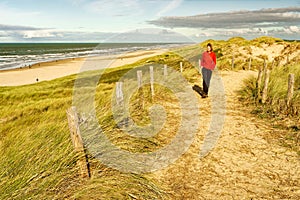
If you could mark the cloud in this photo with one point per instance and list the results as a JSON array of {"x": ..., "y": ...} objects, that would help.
[
  {"x": 33, "y": 34},
  {"x": 171, "y": 6},
  {"x": 40, "y": 34},
  {"x": 294, "y": 29},
  {"x": 4, "y": 27},
  {"x": 150, "y": 35},
  {"x": 232, "y": 32},
  {"x": 17, "y": 32},
  {"x": 3, "y": 34},
  {"x": 26, "y": 32},
  {"x": 139, "y": 35},
  {"x": 238, "y": 19},
  {"x": 291, "y": 32}
]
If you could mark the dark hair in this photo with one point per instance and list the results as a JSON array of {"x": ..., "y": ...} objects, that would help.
[{"x": 209, "y": 44}]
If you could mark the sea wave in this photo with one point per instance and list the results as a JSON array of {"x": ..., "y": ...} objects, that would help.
[{"x": 18, "y": 57}]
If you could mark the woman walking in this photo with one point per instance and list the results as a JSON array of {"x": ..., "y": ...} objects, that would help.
[{"x": 208, "y": 64}]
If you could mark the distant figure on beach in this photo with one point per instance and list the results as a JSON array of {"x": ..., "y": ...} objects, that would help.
[
  {"x": 208, "y": 64},
  {"x": 37, "y": 79}
]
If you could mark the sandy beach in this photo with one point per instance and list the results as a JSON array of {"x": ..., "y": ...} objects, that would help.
[{"x": 56, "y": 69}]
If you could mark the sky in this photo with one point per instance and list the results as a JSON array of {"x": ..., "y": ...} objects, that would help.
[{"x": 146, "y": 20}]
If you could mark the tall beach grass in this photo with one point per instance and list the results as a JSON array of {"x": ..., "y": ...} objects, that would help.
[
  {"x": 37, "y": 159},
  {"x": 276, "y": 109}
]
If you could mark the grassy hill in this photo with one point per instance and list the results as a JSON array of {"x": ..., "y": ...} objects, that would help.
[
  {"x": 37, "y": 159},
  {"x": 274, "y": 51}
]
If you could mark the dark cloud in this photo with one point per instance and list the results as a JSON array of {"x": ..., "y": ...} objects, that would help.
[
  {"x": 4, "y": 27},
  {"x": 272, "y": 17}
]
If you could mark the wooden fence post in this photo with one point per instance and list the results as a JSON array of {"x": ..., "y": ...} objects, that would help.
[
  {"x": 165, "y": 71},
  {"x": 152, "y": 80},
  {"x": 273, "y": 63},
  {"x": 119, "y": 93},
  {"x": 265, "y": 67},
  {"x": 139, "y": 77},
  {"x": 259, "y": 78},
  {"x": 73, "y": 121},
  {"x": 141, "y": 92},
  {"x": 181, "y": 68},
  {"x": 265, "y": 89},
  {"x": 290, "y": 89},
  {"x": 250, "y": 63}
]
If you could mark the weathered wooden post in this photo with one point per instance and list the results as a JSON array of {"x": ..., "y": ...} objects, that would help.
[
  {"x": 152, "y": 80},
  {"x": 290, "y": 89},
  {"x": 181, "y": 67},
  {"x": 259, "y": 78},
  {"x": 250, "y": 63},
  {"x": 73, "y": 121},
  {"x": 119, "y": 93},
  {"x": 140, "y": 91},
  {"x": 265, "y": 67},
  {"x": 265, "y": 89},
  {"x": 273, "y": 63},
  {"x": 165, "y": 71},
  {"x": 139, "y": 78}
]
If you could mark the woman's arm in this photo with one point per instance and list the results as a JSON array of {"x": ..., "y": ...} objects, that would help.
[{"x": 214, "y": 58}]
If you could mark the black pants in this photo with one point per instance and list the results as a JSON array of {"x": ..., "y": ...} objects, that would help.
[{"x": 206, "y": 76}]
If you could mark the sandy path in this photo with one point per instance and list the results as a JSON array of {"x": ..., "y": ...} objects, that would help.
[
  {"x": 52, "y": 70},
  {"x": 243, "y": 164}
]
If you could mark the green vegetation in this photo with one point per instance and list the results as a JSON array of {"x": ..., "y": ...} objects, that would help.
[
  {"x": 275, "y": 109},
  {"x": 259, "y": 49},
  {"x": 266, "y": 40},
  {"x": 37, "y": 159}
]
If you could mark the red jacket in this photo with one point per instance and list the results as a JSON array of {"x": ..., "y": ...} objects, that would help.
[{"x": 209, "y": 60}]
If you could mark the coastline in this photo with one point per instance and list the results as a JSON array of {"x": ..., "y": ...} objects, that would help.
[{"x": 46, "y": 71}]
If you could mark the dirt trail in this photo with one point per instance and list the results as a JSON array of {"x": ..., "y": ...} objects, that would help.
[{"x": 242, "y": 165}]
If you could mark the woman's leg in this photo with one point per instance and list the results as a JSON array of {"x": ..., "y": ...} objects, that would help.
[{"x": 206, "y": 75}]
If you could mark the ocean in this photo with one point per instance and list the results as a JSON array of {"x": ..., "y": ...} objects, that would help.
[{"x": 18, "y": 55}]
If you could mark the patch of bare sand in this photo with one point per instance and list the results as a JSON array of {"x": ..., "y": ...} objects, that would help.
[
  {"x": 243, "y": 164},
  {"x": 270, "y": 51}
]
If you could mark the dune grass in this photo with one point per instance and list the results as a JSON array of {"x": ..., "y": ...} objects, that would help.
[
  {"x": 275, "y": 109},
  {"x": 37, "y": 159},
  {"x": 242, "y": 50}
]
